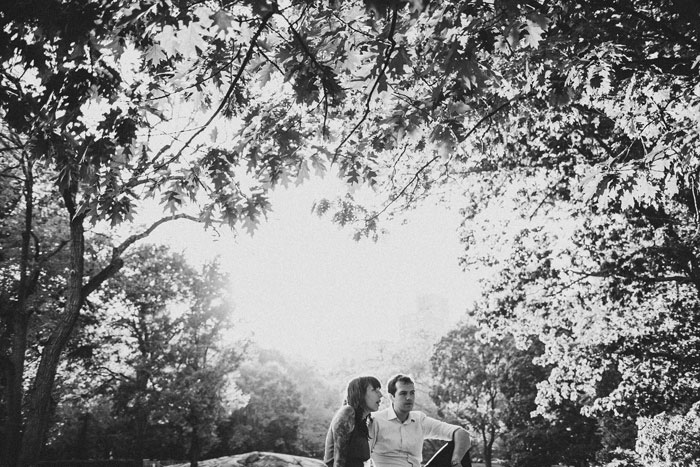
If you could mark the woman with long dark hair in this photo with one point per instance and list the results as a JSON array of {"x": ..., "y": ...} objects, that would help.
[{"x": 347, "y": 441}]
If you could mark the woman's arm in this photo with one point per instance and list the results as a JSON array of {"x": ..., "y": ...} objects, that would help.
[{"x": 342, "y": 426}]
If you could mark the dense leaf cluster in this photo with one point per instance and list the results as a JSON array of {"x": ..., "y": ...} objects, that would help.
[{"x": 488, "y": 384}]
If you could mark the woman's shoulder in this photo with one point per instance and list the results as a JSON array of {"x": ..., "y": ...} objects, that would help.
[
  {"x": 344, "y": 421},
  {"x": 345, "y": 413}
]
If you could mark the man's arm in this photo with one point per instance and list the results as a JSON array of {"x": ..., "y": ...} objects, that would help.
[
  {"x": 462, "y": 445},
  {"x": 435, "y": 429}
]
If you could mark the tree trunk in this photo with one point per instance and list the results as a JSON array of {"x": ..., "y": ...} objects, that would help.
[
  {"x": 488, "y": 454},
  {"x": 14, "y": 372},
  {"x": 488, "y": 446},
  {"x": 81, "y": 448},
  {"x": 25, "y": 447},
  {"x": 17, "y": 328},
  {"x": 195, "y": 447},
  {"x": 39, "y": 398},
  {"x": 487, "y": 451},
  {"x": 141, "y": 423},
  {"x": 39, "y": 407}
]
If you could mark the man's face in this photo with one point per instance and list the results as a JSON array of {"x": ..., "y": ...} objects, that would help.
[{"x": 404, "y": 397}]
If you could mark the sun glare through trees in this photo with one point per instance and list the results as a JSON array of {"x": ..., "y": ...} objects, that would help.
[{"x": 567, "y": 131}]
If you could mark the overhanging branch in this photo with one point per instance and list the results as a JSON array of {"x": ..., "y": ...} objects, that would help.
[
  {"x": 229, "y": 92},
  {"x": 381, "y": 73},
  {"x": 431, "y": 161},
  {"x": 117, "y": 261}
]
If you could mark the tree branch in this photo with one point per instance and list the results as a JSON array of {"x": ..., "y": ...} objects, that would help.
[
  {"x": 548, "y": 195},
  {"x": 430, "y": 162},
  {"x": 117, "y": 262},
  {"x": 229, "y": 92},
  {"x": 629, "y": 275},
  {"x": 381, "y": 73},
  {"x": 36, "y": 271},
  {"x": 308, "y": 53},
  {"x": 215, "y": 72}
]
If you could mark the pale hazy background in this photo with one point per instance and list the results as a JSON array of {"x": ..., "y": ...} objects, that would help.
[{"x": 302, "y": 285}]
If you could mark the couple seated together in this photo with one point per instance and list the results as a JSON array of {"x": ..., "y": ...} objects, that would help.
[{"x": 394, "y": 436}]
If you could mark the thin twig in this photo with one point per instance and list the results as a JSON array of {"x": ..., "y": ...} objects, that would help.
[
  {"x": 229, "y": 92},
  {"x": 376, "y": 83},
  {"x": 215, "y": 72},
  {"x": 547, "y": 195},
  {"x": 318, "y": 66},
  {"x": 427, "y": 164}
]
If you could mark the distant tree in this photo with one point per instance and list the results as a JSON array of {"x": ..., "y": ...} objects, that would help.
[
  {"x": 319, "y": 401},
  {"x": 467, "y": 368},
  {"x": 531, "y": 440},
  {"x": 87, "y": 428},
  {"x": 617, "y": 435},
  {"x": 159, "y": 350},
  {"x": 386, "y": 357},
  {"x": 142, "y": 326},
  {"x": 670, "y": 439},
  {"x": 273, "y": 417},
  {"x": 489, "y": 384},
  {"x": 198, "y": 389}
]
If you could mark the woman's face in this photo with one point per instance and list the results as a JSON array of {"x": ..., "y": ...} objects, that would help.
[{"x": 373, "y": 396}]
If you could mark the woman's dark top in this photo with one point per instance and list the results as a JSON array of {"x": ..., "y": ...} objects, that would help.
[{"x": 357, "y": 446}]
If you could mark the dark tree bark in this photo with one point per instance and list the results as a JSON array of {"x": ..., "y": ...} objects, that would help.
[
  {"x": 17, "y": 328},
  {"x": 39, "y": 400},
  {"x": 195, "y": 446}
]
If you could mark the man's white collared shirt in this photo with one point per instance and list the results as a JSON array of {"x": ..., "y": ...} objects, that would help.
[{"x": 396, "y": 444}]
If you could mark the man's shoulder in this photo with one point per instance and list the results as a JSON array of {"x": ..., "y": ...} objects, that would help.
[
  {"x": 423, "y": 418},
  {"x": 418, "y": 415}
]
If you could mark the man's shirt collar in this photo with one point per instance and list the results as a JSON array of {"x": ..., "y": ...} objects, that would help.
[{"x": 391, "y": 415}]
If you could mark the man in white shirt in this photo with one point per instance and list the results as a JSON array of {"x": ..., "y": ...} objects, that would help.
[{"x": 397, "y": 433}]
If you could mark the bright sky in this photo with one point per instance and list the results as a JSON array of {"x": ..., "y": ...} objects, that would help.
[{"x": 302, "y": 285}]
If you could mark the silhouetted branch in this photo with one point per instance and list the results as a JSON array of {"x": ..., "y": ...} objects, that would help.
[
  {"x": 117, "y": 262},
  {"x": 385, "y": 64}
]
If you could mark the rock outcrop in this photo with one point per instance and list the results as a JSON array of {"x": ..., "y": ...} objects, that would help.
[{"x": 259, "y": 459}]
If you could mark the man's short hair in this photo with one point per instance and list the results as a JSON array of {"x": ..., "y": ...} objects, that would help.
[{"x": 391, "y": 385}]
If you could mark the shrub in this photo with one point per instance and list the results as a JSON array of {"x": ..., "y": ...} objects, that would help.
[{"x": 670, "y": 440}]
